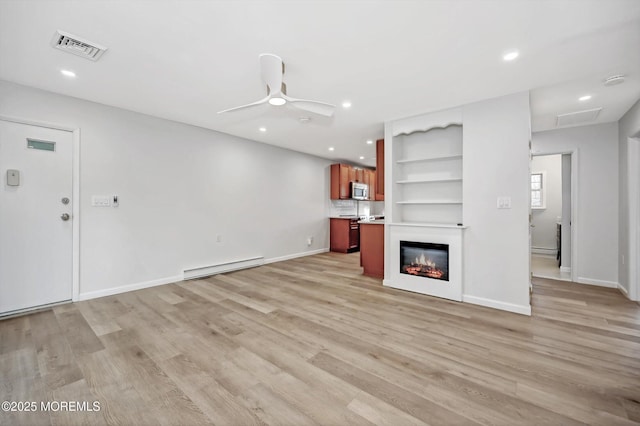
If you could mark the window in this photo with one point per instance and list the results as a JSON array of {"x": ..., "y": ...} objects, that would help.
[{"x": 538, "y": 190}]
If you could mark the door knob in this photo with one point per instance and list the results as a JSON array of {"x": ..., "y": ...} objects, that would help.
[{"x": 65, "y": 216}]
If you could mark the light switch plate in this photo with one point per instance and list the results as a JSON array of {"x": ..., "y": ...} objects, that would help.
[
  {"x": 101, "y": 201},
  {"x": 504, "y": 202}
]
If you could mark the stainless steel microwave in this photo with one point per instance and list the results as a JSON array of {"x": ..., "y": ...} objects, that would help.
[{"x": 359, "y": 191}]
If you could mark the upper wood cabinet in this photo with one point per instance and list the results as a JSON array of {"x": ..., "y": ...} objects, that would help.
[
  {"x": 370, "y": 179},
  {"x": 343, "y": 174},
  {"x": 379, "y": 186},
  {"x": 351, "y": 172},
  {"x": 341, "y": 178},
  {"x": 359, "y": 175}
]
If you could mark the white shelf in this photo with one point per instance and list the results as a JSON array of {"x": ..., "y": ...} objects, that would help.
[
  {"x": 430, "y": 202},
  {"x": 425, "y": 159},
  {"x": 429, "y": 180}
]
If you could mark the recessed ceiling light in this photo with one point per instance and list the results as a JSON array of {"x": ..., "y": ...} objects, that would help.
[
  {"x": 68, "y": 73},
  {"x": 331, "y": 148},
  {"x": 346, "y": 104},
  {"x": 277, "y": 101},
  {"x": 369, "y": 142},
  {"x": 263, "y": 129},
  {"x": 584, "y": 98},
  {"x": 511, "y": 55},
  {"x": 362, "y": 157}
]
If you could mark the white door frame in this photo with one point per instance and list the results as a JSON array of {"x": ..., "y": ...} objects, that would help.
[
  {"x": 75, "y": 131},
  {"x": 633, "y": 221},
  {"x": 574, "y": 206}
]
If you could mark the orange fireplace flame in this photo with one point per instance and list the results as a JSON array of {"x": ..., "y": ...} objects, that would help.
[{"x": 423, "y": 266}]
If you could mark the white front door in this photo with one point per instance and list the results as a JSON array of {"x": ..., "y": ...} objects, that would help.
[{"x": 36, "y": 235}]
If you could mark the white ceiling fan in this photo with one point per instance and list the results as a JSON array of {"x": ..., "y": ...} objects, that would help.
[{"x": 272, "y": 70}]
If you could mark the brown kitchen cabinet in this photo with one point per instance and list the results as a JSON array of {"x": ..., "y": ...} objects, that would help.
[
  {"x": 379, "y": 192},
  {"x": 370, "y": 179},
  {"x": 344, "y": 235},
  {"x": 359, "y": 175},
  {"x": 341, "y": 178},
  {"x": 343, "y": 174},
  {"x": 372, "y": 249}
]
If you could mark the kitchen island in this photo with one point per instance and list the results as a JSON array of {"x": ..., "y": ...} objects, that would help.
[{"x": 372, "y": 248}]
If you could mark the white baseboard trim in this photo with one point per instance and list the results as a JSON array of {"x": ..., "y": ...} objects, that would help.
[
  {"x": 129, "y": 287},
  {"x": 545, "y": 251},
  {"x": 31, "y": 309},
  {"x": 221, "y": 268},
  {"x": 566, "y": 269},
  {"x": 295, "y": 255},
  {"x": 231, "y": 266},
  {"x": 496, "y": 304},
  {"x": 550, "y": 277},
  {"x": 601, "y": 283},
  {"x": 623, "y": 291}
]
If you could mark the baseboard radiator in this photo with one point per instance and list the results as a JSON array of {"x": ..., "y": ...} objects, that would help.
[{"x": 220, "y": 268}]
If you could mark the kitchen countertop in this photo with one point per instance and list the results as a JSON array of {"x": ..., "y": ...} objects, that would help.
[
  {"x": 378, "y": 218},
  {"x": 372, "y": 222}
]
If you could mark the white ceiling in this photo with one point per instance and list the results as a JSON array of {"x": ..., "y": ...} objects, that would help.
[{"x": 186, "y": 60}]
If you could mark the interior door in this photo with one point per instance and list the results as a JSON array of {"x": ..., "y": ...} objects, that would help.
[{"x": 36, "y": 232}]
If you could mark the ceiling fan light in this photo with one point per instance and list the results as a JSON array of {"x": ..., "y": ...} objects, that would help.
[{"x": 277, "y": 101}]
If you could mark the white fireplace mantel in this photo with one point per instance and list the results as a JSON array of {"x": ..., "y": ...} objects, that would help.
[{"x": 451, "y": 235}]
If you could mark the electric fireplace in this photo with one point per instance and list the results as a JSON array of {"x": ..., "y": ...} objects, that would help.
[{"x": 428, "y": 260}]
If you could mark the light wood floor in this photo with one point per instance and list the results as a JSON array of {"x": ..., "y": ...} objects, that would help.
[
  {"x": 311, "y": 341},
  {"x": 547, "y": 267}
]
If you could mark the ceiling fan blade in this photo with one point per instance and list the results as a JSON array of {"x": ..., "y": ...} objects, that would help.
[
  {"x": 272, "y": 68},
  {"x": 260, "y": 102},
  {"x": 316, "y": 107}
]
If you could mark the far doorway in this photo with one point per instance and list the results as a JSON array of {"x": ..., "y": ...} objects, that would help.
[{"x": 551, "y": 213}]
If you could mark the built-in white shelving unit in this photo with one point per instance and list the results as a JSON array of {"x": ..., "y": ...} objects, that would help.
[
  {"x": 423, "y": 196},
  {"x": 427, "y": 175}
]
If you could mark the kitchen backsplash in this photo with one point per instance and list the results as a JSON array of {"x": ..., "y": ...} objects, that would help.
[{"x": 356, "y": 208}]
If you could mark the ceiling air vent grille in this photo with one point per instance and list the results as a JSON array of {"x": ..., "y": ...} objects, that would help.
[
  {"x": 579, "y": 117},
  {"x": 78, "y": 46}
]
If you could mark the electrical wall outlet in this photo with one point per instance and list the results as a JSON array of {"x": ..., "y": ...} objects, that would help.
[{"x": 309, "y": 241}]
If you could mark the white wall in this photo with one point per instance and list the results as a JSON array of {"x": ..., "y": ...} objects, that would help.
[
  {"x": 596, "y": 147},
  {"x": 543, "y": 234},
  {"x": 179, "y": 186},
  {"x": 496, "y": 137},
  {"x": 628, "y": 126}
]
